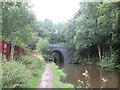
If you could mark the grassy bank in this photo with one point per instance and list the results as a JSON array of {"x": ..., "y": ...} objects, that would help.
[
  {"x": 25, "y": 72},
  {"x": 57, "y": 75},
  {"x": 36, "y": 79}
]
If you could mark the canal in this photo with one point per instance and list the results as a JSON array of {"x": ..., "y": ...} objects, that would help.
[{"x": 75, "y": 73}]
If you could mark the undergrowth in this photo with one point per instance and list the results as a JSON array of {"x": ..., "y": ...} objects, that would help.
[{"x": 25, "y": 72}]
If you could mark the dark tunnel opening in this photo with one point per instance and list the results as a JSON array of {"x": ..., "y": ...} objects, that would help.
[{"x": 57, "y": 57}]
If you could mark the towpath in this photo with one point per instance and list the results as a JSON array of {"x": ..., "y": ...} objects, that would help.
[{"x": 47, "y": 78}]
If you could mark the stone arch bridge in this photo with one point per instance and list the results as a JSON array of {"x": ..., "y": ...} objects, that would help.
[{"x": 59, "y": 49}]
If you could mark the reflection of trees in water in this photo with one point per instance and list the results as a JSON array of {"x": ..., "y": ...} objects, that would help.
[
  {"x": 111, "y": 82},
  {"x": 75, "y": 73}
]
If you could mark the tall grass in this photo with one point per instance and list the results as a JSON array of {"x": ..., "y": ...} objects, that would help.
[{"x": 57, "y": 75}]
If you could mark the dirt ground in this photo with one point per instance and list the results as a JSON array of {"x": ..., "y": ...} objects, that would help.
[{"x": 47, "y": 78}]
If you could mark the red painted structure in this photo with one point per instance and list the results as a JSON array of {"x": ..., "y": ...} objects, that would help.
[
  {"x": 18, "y": 50},
  {"x": 32, "y": 52},
  {"x": 5, "y": 50}
]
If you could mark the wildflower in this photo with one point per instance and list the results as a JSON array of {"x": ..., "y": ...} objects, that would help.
[
  {"x": 104, "y": 80},
  {"x": 78, "y": 80},
  {"x": 81, "y": 82},
  {"x": 86, "y": 73}
]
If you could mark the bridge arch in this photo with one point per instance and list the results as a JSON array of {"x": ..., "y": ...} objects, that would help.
[
  {"x": 61, "y": 56},
  {"x": 61, "y": 50}
]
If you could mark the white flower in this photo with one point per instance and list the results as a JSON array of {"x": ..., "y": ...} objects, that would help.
[
  {"x": 81, "y": 81},
  {"x": 104, "y": 80},
  {"x": 78, "y": 80},
  {"x": 84, "y": 74},
  {"x": 86, "y": 71}
]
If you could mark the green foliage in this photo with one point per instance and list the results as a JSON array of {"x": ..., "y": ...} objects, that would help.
[
  {"x": 32, "y": 62},
  {"x": 85, "y": 61},
  {"x": 118, "y": 66},
  {"x": 53, "y": 32},
  {"x": 109, "y": 62},
  {"x": 36, "y": 79},
  {"x": 15, "y": 75},
  {"x": 57, "y": 75},
  {"x": 18, "y": 23},
  {"x": 23, "y": 73},
  {"x": 43, "y": 46},
  {"x": 93, "y": 31},
  {"x": 54, "y": 55},
  {"x": 40, "y": 68}
]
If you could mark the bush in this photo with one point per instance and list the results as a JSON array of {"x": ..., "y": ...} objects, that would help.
[
  {"x": 32, "y": 62},
  {"x": 43, "y": 46},
  {"x": 22, "y": 73},
  {"x": 108, "y": 62},
  {"x": 80, "y": 61},
  {"x": 15, "y": 75}
]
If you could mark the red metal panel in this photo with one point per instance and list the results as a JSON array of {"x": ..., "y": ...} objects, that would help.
[
  {"x": 5, "y": 48},
  {"x": 8, "y": 49}
]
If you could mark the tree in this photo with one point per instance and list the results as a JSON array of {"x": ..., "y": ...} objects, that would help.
[
  {"x": 43, "y": 46},
  {"x": 93, "y": 29},
  {"x": 17, "y": 23}
]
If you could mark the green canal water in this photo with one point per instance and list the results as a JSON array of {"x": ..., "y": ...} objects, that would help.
[{"x": 75, "y": 71}]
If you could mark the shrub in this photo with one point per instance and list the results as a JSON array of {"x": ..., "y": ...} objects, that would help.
[
  {"x": 43, "y": 47},
  {"x": 108, "y": 62},
  {"x": 32, "y": 62},
  {"x": 15, "y": 75},
  {"x": 38, "y": 63}
]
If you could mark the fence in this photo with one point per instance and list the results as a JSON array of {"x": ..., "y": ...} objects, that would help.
[{"x": 5, "y": 50}]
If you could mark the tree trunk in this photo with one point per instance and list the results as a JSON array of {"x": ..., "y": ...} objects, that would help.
[
  {"x": 103, "y": 54},
  {"x": 88, "y": 56},
  {"x": 110, "y": 51},
  {"x": 99, "y": 52},
  {"x": 12, "y": 45},
  {"x": 12, "y": 52}
]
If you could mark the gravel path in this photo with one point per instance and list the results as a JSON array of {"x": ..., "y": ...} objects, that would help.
[{"x": 47, "y": 78}]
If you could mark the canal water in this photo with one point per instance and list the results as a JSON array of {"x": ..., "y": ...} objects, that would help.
[{"x": 75, "y": 71}]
